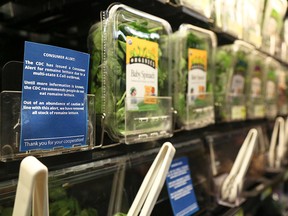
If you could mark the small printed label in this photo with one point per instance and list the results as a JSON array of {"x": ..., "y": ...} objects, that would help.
[
  {"x": 141, "y": 72},
  {"x": 270, "y": 89},
  {"x": 259, "y": 110},
  {"x": 197, "y": 74},
  {"x": 255, "y": 87},
  {"x": 180, "y": 188},
  {"x": 238, "y": 112},
  {"x": 54, "y": 90},
  {"x": 237, "y": 86}
]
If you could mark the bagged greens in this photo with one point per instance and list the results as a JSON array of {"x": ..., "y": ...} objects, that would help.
[
  {"x": 130, "y": 73},
  {"x": 193, "y": 62}
]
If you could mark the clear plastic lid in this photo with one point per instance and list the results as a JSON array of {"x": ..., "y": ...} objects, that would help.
[
  {"x": 232, "y": 62},
  {"x": 255, "y": 90},
  {"x": 271, "y": 95},
  {"x": 132, "y": 75},
  {"x": 193, "y": 75}
]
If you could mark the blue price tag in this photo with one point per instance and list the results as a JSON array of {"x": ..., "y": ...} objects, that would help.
[
  {"x": 180, "y": 188},
  {"x": 54, "y": 89}
]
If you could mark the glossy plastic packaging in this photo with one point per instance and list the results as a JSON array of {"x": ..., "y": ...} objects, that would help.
[
  {"x": 272, "y": 23},
  {"x": 232, "y": 63},
  {"x": 204, "y": 7},
  {"x": 282, "y": 91},
  {"x": 130, "y": 73},
  {"x": 255, "y": 90},
  {"x": 271, "y": 94},
  {"x": 193, "y": 75},
  {"x": 252, "y": 20},
  {"x": 229, "y": 16}
]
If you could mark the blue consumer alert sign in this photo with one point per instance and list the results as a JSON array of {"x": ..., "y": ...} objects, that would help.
[
  {"x": 54, "y": 90},
  {"x": 180, "y": 188}
]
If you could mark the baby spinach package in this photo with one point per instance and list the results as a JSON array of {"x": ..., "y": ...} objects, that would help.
[
  {"x": 193, "y": 61},
  {"x": 255, "y": 90},
  {"x": 130, "y": 74},
  {"x": 232, "y": 63}
]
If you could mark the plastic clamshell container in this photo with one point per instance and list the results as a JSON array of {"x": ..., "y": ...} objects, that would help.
[
  {"x": 271, "y": 94},
  {"x": 255, "y": 91},
  {"x": 232, "y": 63},
  {"x": 252, "y": 20},
  {"x": 132, "y": 74},
  {"x": 10, "y": 115},
  {"x": 193, "y": 76},
  {"x": 272, "y": 22},
  {"x": 204, "y": 7},
  {"x": 229, "y": 16},
  {"x": 282, "y": 82}
]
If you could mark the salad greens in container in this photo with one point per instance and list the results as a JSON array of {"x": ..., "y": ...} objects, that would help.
[
  {"x": 232, "y": 63},
  {"x": 130, "y": 72},
  {"x": 274, "y": 13},
  {"x": 229, "y": 16},
  {"x": 271, "y": 94},
  {"x": 255, "y": 90},
  {"x": 282, "y": 90},
  {"x": 193, "y": 63}
]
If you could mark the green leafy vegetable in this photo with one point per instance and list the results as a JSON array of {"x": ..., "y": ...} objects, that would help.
[{"x": 62, "y": 204}]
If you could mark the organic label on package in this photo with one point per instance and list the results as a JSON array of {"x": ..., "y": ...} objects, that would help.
[
  {"x": 197, "y": 74},
  {"x": 238, "y": 80},
  {"x": 256, "y": 83},
  {"x": 54, "y": 88},
  {"x": 141, "y": 72}
]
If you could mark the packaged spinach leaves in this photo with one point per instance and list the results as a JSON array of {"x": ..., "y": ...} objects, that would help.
[
  {"x": 130, "y": 73},
  {"x": 193, "y": 76},
  {"x": 255, "y": 90},
  {"x": 232, "y": 62},
  {"x": 271, "y": 95}
]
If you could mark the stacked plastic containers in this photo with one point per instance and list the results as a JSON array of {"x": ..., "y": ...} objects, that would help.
[
  {"x": 193, "y": 75},
  {"x": 232, "y": 65},
  {"x": 131, "y": 74}
]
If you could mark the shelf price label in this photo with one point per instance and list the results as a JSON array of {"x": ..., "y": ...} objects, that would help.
[
  {"x": 53, "y": 104},
  {"x": 180, "y": 188}
]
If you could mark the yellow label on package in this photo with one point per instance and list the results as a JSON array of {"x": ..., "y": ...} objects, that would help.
[
  {"x": 197, "y": 74},
  {"x": 259, "y": 111},
  {"x": 238, "y": 112},
  {"x": 141, "y": 72}
]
